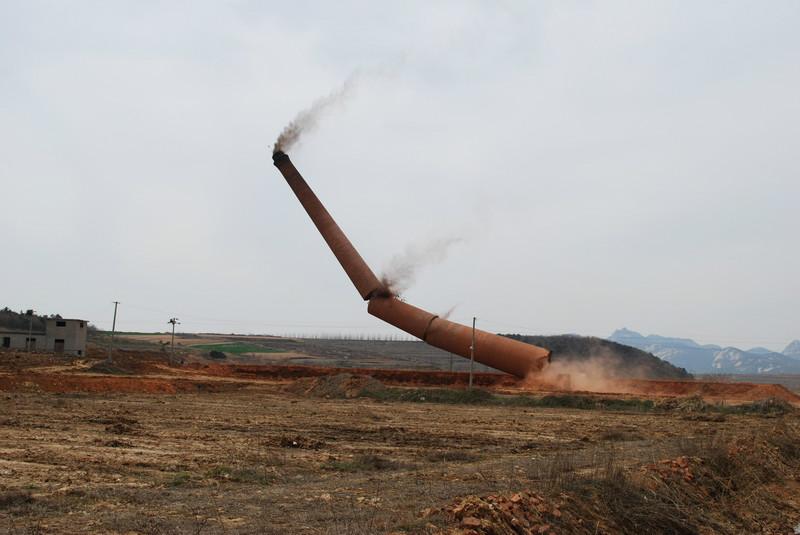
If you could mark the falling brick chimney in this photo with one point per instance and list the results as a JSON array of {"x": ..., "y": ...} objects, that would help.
[{"x": 504, "y": 354}]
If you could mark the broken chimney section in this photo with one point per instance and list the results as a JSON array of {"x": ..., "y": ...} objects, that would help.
[
  {"x": 498, "y": 352},
  {"x": 359, "y": 272},
  {"x": 504, "y": 354}
]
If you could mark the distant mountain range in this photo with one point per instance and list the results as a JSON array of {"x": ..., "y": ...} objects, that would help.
[{"x": 697, "y": 358}]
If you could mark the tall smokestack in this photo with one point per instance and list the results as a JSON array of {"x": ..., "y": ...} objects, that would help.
[
  {"x": 504, "y": 354},
  {"x": 359, "y": 272}
]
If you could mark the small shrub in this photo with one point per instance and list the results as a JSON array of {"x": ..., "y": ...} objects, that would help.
[
  {"x": 787, "y": 444},
  {"x": 120, "y": 429},
  {"x": 241, "y": 475},
  {"x": 634, "y": 509},
  {"x": 552, "y": 473},
  {"x": 566, "y": 400},
  {"x": 15, "y": 498},
  {"x": 449, "y": 456},
  {"x": 117, "y": 444},
  {"x": 180, "y": 479},
  {"x": 484, "y": 397},
  {"x": 299, "y": 442},
  {"x": 434, "y": 395},
  {"x": 764, "y": 407},
  {"x": 619, "y": 435},
  {"x": 236, "y": 348},
  {"x": 364, "y": 463}
]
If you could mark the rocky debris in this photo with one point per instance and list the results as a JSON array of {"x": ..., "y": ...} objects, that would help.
[
  {"x": 678, "y": 468},
  {"x": 523, "y": 512},
  {"x": 343, "y": 385}
]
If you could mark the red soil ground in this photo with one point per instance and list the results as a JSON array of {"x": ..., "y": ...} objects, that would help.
[
  {"x": 143, "y": 371},
  {"x": 715, "y": 391}
]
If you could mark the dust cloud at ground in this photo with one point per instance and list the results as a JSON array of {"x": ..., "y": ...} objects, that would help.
[{"x": 600, "y": 373}]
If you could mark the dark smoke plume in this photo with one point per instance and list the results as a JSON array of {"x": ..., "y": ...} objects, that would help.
[
  {"x": 401, "y": 271},
  {"x": 308, "y": 118}
]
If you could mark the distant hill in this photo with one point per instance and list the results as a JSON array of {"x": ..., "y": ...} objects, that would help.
[
  {"x": 793, "y": 349},
  {"x": 625, "y": 360},
  {"x": 710, "y": 358}
]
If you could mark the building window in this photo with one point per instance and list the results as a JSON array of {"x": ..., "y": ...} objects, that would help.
[
  {"x": 60, "y": 323},
  {"x": 80, "y": 352},
  {"x": 6, "y": 341},
  {"x": 81, "y": 325}
]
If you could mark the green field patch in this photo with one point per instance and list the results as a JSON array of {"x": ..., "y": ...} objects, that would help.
[{"x": 236, "y": 348}]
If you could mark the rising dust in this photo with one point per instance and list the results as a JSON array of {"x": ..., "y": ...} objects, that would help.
[
  {"x": 600, "y": 373},
  {"x": 401, "y": 271}
]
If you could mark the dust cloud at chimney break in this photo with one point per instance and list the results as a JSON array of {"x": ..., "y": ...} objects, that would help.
[
  {"x": 401, "y": 270},
  {"x": 308, "y": 119}
]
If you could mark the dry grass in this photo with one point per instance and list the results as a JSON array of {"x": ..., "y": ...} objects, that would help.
[
  {"x": 364, "y": 463},
  {"x": 257, "y": 461},
  {"x": 620, "y": 435},
  {"x": 452, "y": 456},
  {"x": 721, "y": 483}
]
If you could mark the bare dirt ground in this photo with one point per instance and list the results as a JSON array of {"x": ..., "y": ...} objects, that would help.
[
  {"x": 146, "y": 447},
  {"x": 790, "y": 381}
]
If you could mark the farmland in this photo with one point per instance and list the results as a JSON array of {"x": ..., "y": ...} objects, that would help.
[{"x": 209, "y": 448}]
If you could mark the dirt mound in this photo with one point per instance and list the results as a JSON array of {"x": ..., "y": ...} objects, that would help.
[
  {"x": 521, "y": 512},
  {"x": 714, "y": 391},
  {"x": 343, "y": 385}
]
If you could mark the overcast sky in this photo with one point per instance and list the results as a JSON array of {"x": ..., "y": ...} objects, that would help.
[{"x": 601, "y": 164}]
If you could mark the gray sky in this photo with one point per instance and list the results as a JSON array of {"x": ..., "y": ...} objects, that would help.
[{"x": 602, "y": 164}]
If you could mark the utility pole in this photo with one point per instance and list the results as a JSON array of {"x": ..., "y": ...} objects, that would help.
[
  {"x": 472, "y": 353},
  {"x": 28, "y": 344},
  {"x": 113, "y": 330},
  {"x": 173, "y": 321}
]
